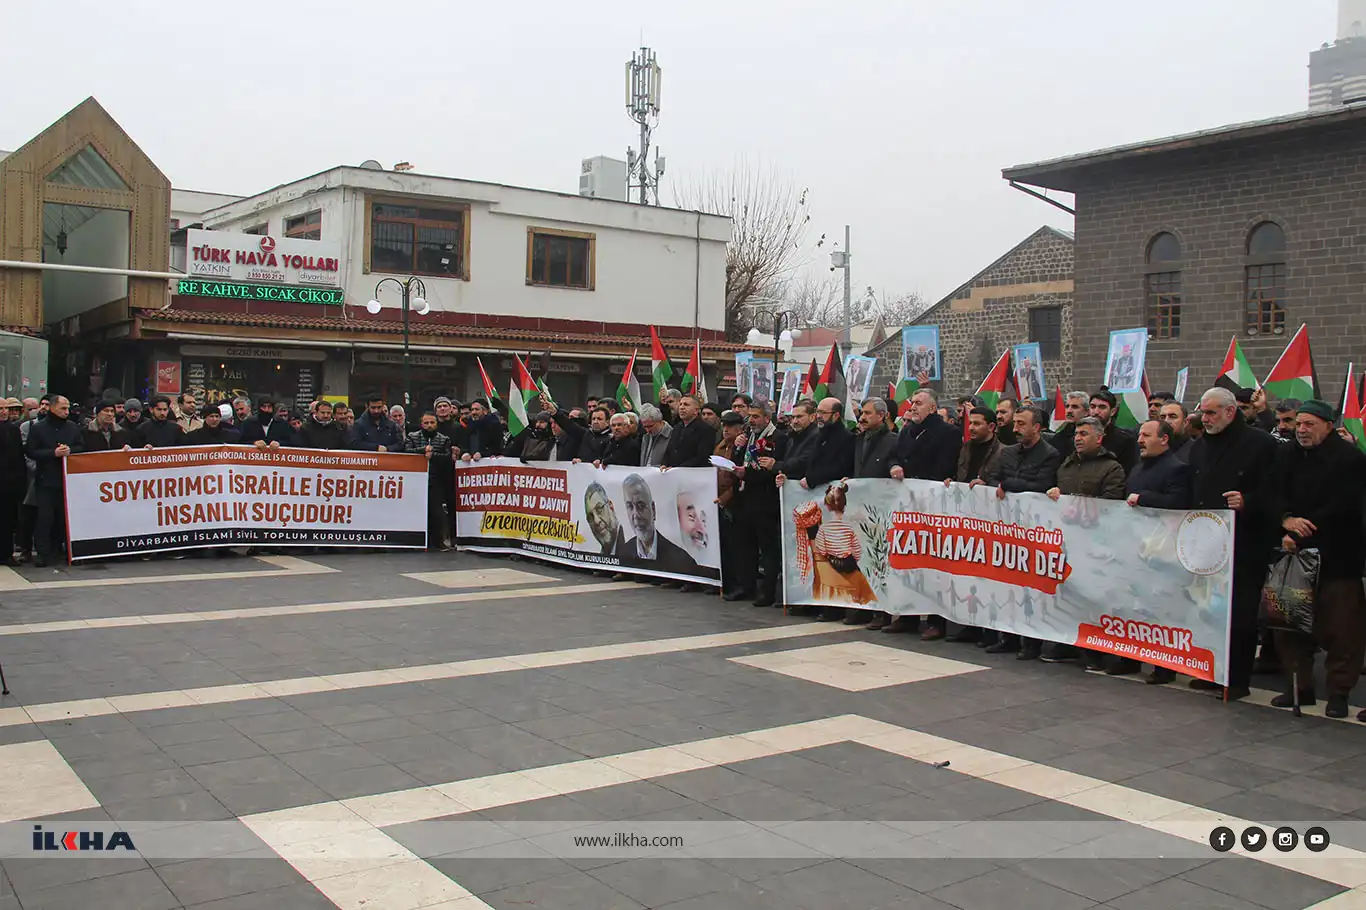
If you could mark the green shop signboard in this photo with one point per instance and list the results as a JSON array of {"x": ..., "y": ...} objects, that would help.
[{"x": 237, "y": 290}]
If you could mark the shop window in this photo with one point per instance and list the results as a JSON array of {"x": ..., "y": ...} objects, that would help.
[
  {"x": 1162, "y": 287},
  {"x": 308, "y": 226},
  {"x": 261, "y": 229},
  {"x": 558, "y": 259},
  {"x": 1264, "y": 280},
  {"x": 418, "y": 240},
  {"x": 1045, "y": 327}
]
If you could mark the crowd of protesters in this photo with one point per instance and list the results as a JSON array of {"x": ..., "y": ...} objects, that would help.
[{"x": 1292, "y": 476}]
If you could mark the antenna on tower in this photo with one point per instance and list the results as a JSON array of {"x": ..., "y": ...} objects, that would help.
[{"x": 642, "y": 105}]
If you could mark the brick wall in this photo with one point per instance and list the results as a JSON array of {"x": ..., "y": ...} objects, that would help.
[
  {"x": 991, "y": 311},
  {"x": 1313, "y": 185}
]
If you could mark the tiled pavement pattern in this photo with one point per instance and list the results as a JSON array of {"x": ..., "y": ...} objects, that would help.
[{"x": 1021, "y": 736}]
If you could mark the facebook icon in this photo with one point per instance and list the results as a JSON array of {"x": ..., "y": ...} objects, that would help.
[{"x": 1222, "y": 839}]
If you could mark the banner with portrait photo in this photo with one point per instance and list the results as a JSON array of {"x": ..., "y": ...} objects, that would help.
[
  {"x": 1149, "y": 584},
  {"x": 1124, "y": 360},
  {"x": 920, "y": 351},
  {"x": 1029, "y": 379},
  {"x": 151, "y": 501},
  {"x": 858, "y": 375},
  {"x": 641, "y": 521},
  {"x": 793, "y": 377}
]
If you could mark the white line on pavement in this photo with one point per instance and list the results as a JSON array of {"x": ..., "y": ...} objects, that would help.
[
  {"x": 210, "y": 695},
  {"x": 12, "y": 581},
  {"x": 342, "y": 606},
  {"x": 328, "y": 856},
  {"x": 37, "y": 781}
]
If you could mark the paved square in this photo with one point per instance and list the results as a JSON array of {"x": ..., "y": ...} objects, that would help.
[
  {"x": 398, "y": 731},
  {"x": 858, "y": 666}
]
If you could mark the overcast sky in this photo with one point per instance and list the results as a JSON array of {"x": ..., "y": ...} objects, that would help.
[{"x": 898, "y": 115}]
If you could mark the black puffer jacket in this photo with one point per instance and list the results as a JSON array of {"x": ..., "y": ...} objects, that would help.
[{"x": 1031, "y": 470}]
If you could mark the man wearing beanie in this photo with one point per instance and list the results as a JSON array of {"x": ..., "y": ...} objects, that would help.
[
  {"x": 212, "y": 431},
  {"x": 1322, "y": 479},
  {"x": 132, "y": 417}
]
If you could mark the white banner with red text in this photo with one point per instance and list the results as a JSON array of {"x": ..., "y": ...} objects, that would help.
[
  {"x": 152, "y": 500},
  {"x": 1150, "y": 584},
  {"x": 640, "y": 521}
]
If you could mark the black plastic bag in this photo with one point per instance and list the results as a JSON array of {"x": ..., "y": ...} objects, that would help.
[{"x": 1290, "y": 591}]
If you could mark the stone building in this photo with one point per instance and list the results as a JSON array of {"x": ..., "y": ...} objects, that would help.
[
  {"x": 1246, "y": 230},
  {"x": 1024, "y": 296}
]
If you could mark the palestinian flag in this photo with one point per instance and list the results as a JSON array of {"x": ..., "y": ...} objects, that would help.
[
  {"x": 661, "y": 370},
  {"x": 831, "y": 382},
  {"x": 902, "y": 392},
  {"x": 1235, "y": 375},
  {"x": 1059, "y": 411},
  {"x": 489, "y": 392},
  {"x": 521, "y": 391},
  {"x": 1000, "y": 382},
  {"x": 628, "y": 390},
  {"x": 1351, "y": 411},
  {"x": 1293, "y": 375},
  {"x": 694, "y": 382},
  {"x": 813, "y": 378},
  {"x": 1132, "y": 409},
  {"x": 544, "y": 388}
]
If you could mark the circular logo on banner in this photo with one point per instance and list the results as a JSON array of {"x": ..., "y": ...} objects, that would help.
[
  {"x": 1202, "y": 543},
  {"x": 267, "y": 244}
]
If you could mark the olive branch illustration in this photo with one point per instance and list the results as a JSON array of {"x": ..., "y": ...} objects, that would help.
[{"x": 873, "y": 527}]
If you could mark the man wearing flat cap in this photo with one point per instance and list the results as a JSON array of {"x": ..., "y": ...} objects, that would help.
[{"x": 1321, "y": 481}]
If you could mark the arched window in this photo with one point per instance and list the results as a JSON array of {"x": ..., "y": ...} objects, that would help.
[
  {"x": 1264, "y": 295},
  {"x": 1162, "y": 286}
]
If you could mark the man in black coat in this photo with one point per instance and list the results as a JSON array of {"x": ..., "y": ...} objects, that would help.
[
  {"x": 263, "y": 430},
  {"x": 213, "y": 431},
  {"x": 758, "y": 529},
  {"x": 623, "y": 446},
  {"x": 874, "y": 446},
  {"x": 801, "y": 440},
  {"x": 13, "y": 483},
  {"x": 928, "y": 446},
  {"x": 49, "y": 442},
  {"x": 692, "y": 439},
  {"x": 832, "y": 455},
  {"x": 927, "y": 449},
  {"x": 374, "y": 431},
  {"x": 874, "y": 454},
  {"x": 594, "y": 442},
  {"x": 160, "y": 431},
  {"x": 1321, "y": 481},
  {"x": 483, "y": 438},
  {"x": 1029, "y": 466},
  {"x": 1160, "y": 480},
  {"x": 106, "y": 435},
  {"x": 1232, "y": 466},
  {"x": 429, "y": 441},
  {"x": 320, "y": 431},
  {"x": 1121, "y": 443}
]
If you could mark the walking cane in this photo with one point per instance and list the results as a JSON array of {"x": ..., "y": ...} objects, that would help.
[
  {"x": 1295, "y": 684},
  {"x": 4, "y": 686}
]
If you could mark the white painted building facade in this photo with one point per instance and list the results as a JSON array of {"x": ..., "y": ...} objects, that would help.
[{"x": 647, "y": 265}]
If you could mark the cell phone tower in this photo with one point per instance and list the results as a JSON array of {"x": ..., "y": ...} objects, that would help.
[{"x": 642, "y": 105}]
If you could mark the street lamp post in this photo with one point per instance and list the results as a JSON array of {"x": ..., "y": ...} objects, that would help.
[
  {"x": 414, "y": 297},
  {"x": 782, "y": 331}
]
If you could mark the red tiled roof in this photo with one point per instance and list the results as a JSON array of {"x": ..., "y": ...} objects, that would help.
[{"x": 420, "y": 329}]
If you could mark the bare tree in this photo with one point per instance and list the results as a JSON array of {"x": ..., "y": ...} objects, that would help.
[
  {"x": 814, "y": 299},
  {"x": 769, "y": 220},
  {"x": 901, "y": 310}
]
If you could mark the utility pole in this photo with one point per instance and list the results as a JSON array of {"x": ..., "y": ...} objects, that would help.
[{"x": 839, "y": 259}]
